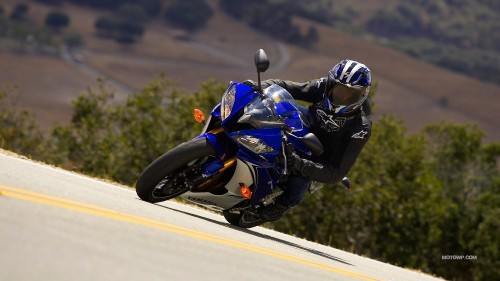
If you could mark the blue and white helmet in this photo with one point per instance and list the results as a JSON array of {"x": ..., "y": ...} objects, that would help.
[{"x": 347, "y": 86}]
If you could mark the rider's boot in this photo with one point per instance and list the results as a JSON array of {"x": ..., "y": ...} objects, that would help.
[
  {"x": 265, "y": 214},
  {"x": 274, "y": 211}
]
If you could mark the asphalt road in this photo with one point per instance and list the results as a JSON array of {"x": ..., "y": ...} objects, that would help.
[{"x": 56, "y": 225}]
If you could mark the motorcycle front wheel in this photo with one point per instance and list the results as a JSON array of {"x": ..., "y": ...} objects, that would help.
[{"x": 166, "y": 177}]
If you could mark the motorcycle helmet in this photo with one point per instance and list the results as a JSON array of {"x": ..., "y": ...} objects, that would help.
[{"x": 347, "y": 86}]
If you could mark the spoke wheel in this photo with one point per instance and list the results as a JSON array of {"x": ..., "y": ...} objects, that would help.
[
  {"x": 170, "y": 175},
  {"x": 176, "y": 184}
]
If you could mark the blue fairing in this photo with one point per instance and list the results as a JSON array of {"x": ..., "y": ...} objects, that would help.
[
  {"x": 267, "y": 180},
  {"x": 216, "y": 143},
  {"x": 268, "y": 115},
  {"x": 216, "y": 111}
]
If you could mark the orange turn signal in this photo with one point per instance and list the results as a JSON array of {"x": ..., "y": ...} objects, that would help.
[
  {"x": 199, "y": 116},
  {"x": 246, "y": 192}
]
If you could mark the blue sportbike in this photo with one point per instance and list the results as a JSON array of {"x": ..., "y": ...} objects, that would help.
[{"x": 238, "y": 162}]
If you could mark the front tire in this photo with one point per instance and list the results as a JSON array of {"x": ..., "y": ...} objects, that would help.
[{"x": 175, "y": 160}]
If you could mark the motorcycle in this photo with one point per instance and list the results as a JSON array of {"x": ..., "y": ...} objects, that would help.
[{"x": 238, "y": 162}]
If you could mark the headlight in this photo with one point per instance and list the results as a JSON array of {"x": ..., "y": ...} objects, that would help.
[
  {"x": 227, "y": 102},
  {"x": 254, "y": 144}
]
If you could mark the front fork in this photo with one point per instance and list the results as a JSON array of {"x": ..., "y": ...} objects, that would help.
[{"x": 204, "y": 181}]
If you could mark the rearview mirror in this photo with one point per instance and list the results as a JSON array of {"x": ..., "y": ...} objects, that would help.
[
  {"x": 262, "y": 64},
  {"x": 261, "y": 61}
]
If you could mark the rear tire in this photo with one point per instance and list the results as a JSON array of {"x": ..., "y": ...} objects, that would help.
[{"x": 170, "y": 162}]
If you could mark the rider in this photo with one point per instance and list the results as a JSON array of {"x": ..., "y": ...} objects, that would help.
[{"x": 339, "y": 117}]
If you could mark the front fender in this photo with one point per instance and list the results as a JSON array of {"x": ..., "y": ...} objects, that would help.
[{"x": 218, "y": 143}]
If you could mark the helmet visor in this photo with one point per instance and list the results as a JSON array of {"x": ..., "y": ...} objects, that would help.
[{"x": 343, "y": 95}]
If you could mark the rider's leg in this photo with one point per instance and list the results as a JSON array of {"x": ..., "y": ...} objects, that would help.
[{"x": 296, "y": 188}]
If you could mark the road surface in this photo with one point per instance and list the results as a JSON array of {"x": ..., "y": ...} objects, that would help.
[{"x": 57, "y": 225}]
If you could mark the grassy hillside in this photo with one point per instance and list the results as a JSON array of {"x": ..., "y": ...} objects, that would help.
[{"x": 417, "y": 91}]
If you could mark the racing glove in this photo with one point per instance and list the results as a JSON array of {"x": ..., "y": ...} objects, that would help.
[{"x": 252, "y": 84}]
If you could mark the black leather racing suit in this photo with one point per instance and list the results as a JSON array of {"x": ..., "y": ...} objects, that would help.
[{"x": 343, "y": 136}]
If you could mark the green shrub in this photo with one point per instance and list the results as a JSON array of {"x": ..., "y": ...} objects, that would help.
[
  {"x": 19, "y": 131},
  {"x": 117, "y": 141}
]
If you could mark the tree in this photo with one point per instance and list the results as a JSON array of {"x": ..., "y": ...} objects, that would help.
[
  {"x": 132, "y": 12},
  {"x": 128, "y": 32},
  {"x": 273, "y": 18},
  {"x": 311, "y": 37},
  {"x": 57, "y": 20},
  {"x": 152, "y": 7},
  {"x": 457, "y": 34},
  {"x": 118, "y": 141},
  {"x": 19, "y": 13},
  {"x": 105, "y": 26},
  {"x": 121, "y": 30},
  {"x": 190, "y": 15},
  {"x": 51, "y": 2},
  {"x": 415, "y": 198},
  {"x": 19, "y": 131}
]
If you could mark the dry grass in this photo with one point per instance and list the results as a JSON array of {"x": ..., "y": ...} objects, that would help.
[
  {"x": 46, "y": 85},
  {"x": 409, "y": 88}
]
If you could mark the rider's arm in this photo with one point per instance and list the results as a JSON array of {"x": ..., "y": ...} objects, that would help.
[
  {"x": 310, "y": 91},
  {"x": 338, "y": 166}
]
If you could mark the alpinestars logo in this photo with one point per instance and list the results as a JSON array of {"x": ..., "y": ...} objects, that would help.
[
  {"x": 360, "y": 135},
  {"x": 329, "y": 122}
]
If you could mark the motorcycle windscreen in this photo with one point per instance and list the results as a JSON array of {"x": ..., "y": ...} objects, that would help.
[
  {"x": 285, "y": 106},
  {"x": 276, "y": 109},
  {"x": 261, "y": 115},
  {"x": 290, "y": 115}
]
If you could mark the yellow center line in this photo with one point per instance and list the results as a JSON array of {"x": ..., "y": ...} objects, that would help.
[{"x": 116, "y": 215}]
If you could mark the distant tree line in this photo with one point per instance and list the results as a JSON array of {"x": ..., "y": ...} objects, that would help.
[
  {"x": 191, "y": 15},
  {"x": 273, "y": 18},
  {"x": 121, "y": 30},
  {"x": 128, "y": 20},
  {"x": 151, "y": 7},
  {"x": 460, "y": 35},
  {"x": 415, "y": 198},
  {"x": 22, "y": 33}
]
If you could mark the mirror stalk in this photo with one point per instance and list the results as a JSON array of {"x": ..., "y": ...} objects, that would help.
[{"x": 262, "y": 64}]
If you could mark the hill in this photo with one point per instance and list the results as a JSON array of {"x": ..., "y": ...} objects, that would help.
[{"x": 416, "y": 91}]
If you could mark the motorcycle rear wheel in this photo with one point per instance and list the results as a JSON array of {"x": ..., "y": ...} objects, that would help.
[
  {"x": 171, "y": 163},
  {"x": 232, "y": 218}
]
